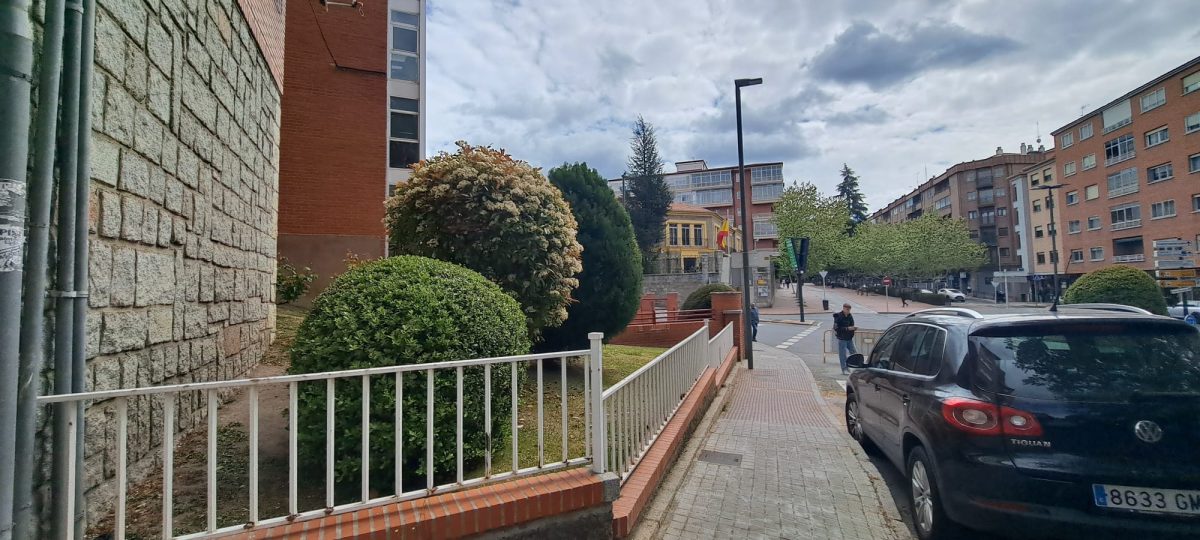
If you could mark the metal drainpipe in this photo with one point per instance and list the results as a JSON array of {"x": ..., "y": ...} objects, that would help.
[
  {"x": 82, "y": 176},
  {"x": 63, "y": 497},
  {"x": 33, "y": 316},
  {"x": 16, "y": 84}
]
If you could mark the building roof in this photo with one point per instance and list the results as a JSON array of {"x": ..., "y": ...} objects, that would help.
[
  {"x": 992, "y": 160},
  {"x": 691, "y": 209},
  {"x": 1186, "y": 66}
]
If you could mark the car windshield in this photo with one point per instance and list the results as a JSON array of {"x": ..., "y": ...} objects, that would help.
[{"x": 1093, "y": 362}]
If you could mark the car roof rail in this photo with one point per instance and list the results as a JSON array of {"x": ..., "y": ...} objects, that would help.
[
  {"x": 1099, "y": 306},
  {"x": 952, "y": 311}
]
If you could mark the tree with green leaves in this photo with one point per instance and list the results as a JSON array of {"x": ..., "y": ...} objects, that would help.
[
  {"x": 852, "y": 196},
  {"x": 610, "y": 285},
  {"x": 645, "y": 192},
  {"x": 924, "y": 247},
  {"x": 803, "y": 211}
]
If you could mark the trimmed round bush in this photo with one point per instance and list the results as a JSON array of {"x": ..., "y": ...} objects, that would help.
[
  {"x": 398, "y": 311},
  {"x": 702, "y": 298},
  {"x": 1118, "y": 284},
  {"x": 611, "y": 282}
]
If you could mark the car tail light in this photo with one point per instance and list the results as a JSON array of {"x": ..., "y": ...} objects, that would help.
[{"x": 983, "y": 418}]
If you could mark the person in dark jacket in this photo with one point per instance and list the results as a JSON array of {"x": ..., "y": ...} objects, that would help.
[
  {"x": 753, "y": 322},
  {"x": 843, "y": 330}
]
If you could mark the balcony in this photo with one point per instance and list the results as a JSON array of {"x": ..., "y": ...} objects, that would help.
[
  {"x": 1123, "y": 190},
  {"x": 1120, "y": 226},
  {"x": 1117, "y": 159},
  {"x": 1140, "y": 257}
]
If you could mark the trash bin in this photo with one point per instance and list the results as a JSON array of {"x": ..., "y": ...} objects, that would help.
[{"x": 825, "y": 305}]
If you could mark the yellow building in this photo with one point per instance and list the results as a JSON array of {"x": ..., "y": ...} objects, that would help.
[{"x": 690, "y": 240}]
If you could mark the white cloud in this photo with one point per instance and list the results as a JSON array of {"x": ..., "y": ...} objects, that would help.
[{"x": 942, "y": 82}]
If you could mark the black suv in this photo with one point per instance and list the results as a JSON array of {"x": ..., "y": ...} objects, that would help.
[{"x": 1080, "y": 422}]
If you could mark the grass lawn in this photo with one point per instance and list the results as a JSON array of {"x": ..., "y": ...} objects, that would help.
[{"x": 145, "y": 498}]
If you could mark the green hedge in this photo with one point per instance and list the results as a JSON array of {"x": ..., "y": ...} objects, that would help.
[
  {"x": 702, "y": 298},
  {"x": 405, "y": 310},
  {"x": 1118, "y": 284},
  {"x": 932, "y": 299}
]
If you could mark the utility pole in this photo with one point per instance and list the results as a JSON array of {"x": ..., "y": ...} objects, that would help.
[
  {"x": 741, "y": 185},
  {"x": 1049, "y": 189}
]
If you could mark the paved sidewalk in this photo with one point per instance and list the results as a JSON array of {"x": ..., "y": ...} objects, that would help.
[
  {"x": 787, "y": 468},
  {"x": 872, "y": 303}
]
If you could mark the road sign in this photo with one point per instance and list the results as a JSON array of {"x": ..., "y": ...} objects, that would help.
[
  {"x": 887, "y": 281},
  {"x": 1174, "y": 263},
  {"x": 1181, "y": 290},
  {"x": 1189, "y": 283},
  {"x": 824, "y": 273},
  {"x": 1188, "y": 273},
  {"x": 1162, "y": 244}
]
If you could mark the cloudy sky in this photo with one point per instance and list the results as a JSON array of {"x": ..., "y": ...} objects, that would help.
[{"x": 891, "y": 87}]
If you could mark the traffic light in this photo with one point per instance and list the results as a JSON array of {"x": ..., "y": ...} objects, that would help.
[{"x": 800, "y": 251}]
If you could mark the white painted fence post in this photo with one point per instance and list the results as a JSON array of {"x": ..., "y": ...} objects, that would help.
[
  {"x": 596, "y": 395},
  {"x": 710, "y": 347}
]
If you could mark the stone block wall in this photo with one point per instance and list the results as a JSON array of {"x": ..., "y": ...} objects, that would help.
[
  {"x": 684, "y": 284},
  {"x": 184, "y": 213}
]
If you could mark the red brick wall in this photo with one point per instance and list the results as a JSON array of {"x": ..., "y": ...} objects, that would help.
[
  {"x": 266, "y": 18},
  {"x": 333, "y": 140},
  {"x": 665, "y": 334}
]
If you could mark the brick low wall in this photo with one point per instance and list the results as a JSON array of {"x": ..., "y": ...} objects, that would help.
[{"x": 656, "y": 335}]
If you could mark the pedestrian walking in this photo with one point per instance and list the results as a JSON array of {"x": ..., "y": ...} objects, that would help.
[
  {"x": 843, "y": 330},
  {"x": 753, "y": 322},
  {"x": 903, "y": 299}
]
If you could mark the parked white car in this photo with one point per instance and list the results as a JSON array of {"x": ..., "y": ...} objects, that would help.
[{"x": 955, "y": 295}]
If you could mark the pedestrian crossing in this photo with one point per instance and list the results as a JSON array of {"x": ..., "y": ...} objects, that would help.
[{"x": 792, "y": 340}]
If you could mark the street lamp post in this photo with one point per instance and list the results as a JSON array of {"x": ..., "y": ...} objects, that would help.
[
  {"x": 746, "y": 236},
  {"x": 1049, "y": 189}
]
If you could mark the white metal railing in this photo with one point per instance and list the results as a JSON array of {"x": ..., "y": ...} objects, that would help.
[
  {"x": 1127, "y": 224},
  {"x": 637, "y": 408},
  {"x": 669, "y": 368},
  {"x": 1129, "y": 258}
]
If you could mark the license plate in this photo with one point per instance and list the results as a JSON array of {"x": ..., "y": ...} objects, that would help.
[{"x": 1165, "y": 501}]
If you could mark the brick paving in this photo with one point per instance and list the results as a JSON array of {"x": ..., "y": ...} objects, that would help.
[{"x": 799, "y": 476}]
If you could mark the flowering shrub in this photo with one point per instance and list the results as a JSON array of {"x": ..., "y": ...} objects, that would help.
[
  {"x": 481, "y": 208},
  {"x": 291, "y": 283}
]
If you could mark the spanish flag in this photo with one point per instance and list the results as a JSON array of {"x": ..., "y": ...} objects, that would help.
[{"x": 723, "y": 236}]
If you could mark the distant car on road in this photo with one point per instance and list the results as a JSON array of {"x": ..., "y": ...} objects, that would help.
[
  {"x": 924, "y": 291},
  {"x": 955, "y": 295},
  {"x": 1177, "y": 311},
  {"x": 1075, "y": 424}
]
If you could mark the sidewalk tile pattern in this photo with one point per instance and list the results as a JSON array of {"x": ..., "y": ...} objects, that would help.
[{"x": 799, "y": 477}]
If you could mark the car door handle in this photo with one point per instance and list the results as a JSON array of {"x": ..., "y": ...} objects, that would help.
[
  {"x": 904, "y": 399},
  {"x": 876, "y": 387}
]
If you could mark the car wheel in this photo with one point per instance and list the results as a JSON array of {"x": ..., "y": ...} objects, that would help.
[
  {"x": 928, "y": 516},
  {"x": 854, "y": 425}
]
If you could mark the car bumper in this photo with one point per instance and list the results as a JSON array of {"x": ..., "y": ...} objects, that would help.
[{"x": 997, "y": 498}]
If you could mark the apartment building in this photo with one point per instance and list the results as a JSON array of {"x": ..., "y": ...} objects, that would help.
[
  {"x": 353, "y": 121},
  {"x": 1132, "y": 168},
  {"x": 978, "y": 192},
  {"x": 1032, "y": 277}
]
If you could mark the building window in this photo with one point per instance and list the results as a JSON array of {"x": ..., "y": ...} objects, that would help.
[
  {"x": 764, "y": 227},
  {"x": 1069, "y": 168},
  {"x": 1191, "y": 83},
  {"x": 1037, "y": 206},
  {"x": 1191, "y": 123},
  {"x": 763, "y": 175},
  {"x": 1038, "y": 232},
  {"x": 714, "y": 196},
  {"x": 1076, "y": 255},
  {"x": 1002, "y": 231},
  {"x": 1123, "y": 182},
  {"x": 1093, "y": 223},
  {"x": 1001, "y": 192},
  {"x": 698, "y": 235},
  {"x": 1196, "y": 203},
  {"x": 673, "y": 234},
  {"x": 1116, "y": 116},
  {"x": 1091, "y": 192},
  {"x": 1157, "y": 137},
  {"x": 403, "y": 132},
  {"x": 971, "y": 196},
  {"x": 1154, "y": 99},
  {"x": 1163, "y": 209},
  {"x": 1097, "y": 254},
  {"x": 1118, "y": 149},
  {"x": 712, "y": 178},
  {"x": 766, "y": 193},
  {"x": 1073, "y": 227},
  {"x": 1194, "y": 163},
  {"x": 405, "y": 46},
  {"x": 1001, "y": 211},
  {"x": 1067, "y": 140},
  {"x": 1159, "y": 173},
  {"x": 1126, "y": 216},
  {"x": 1072, "y": 197},
  {"x": 941, "y": 203},
  {"x": 973, "y": 215},
  {"x": 1004, "y": 252},
  {"x": 1085, "y": 131},
  {"x": 1041, "y": 257},
  {"x": 1089, "y": 161},
  {"x": 974, "y": 234}
]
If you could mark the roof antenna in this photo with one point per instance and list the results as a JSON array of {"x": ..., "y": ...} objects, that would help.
[{"x": 1039, "y": 132}]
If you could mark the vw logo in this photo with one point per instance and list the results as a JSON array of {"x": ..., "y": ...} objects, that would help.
[{"x": 1148, "y": 431}]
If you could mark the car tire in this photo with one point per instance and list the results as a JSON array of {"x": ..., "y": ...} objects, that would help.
[
  {"x": 929, "y": 518},
  {"x": 854, "y": 425}
]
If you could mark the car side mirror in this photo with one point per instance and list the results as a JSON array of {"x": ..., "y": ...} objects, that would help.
[{"x": 856, "y": 360}]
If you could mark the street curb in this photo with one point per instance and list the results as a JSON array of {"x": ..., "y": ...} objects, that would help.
[
  {"x": 663, "y": 501},
  {"x": 789, "y": 321}
]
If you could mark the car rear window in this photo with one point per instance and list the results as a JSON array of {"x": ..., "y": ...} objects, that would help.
[{"x": 1091, "y": 362}]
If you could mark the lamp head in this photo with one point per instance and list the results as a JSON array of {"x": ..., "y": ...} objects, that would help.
[{"x": 746, "y": 82}]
